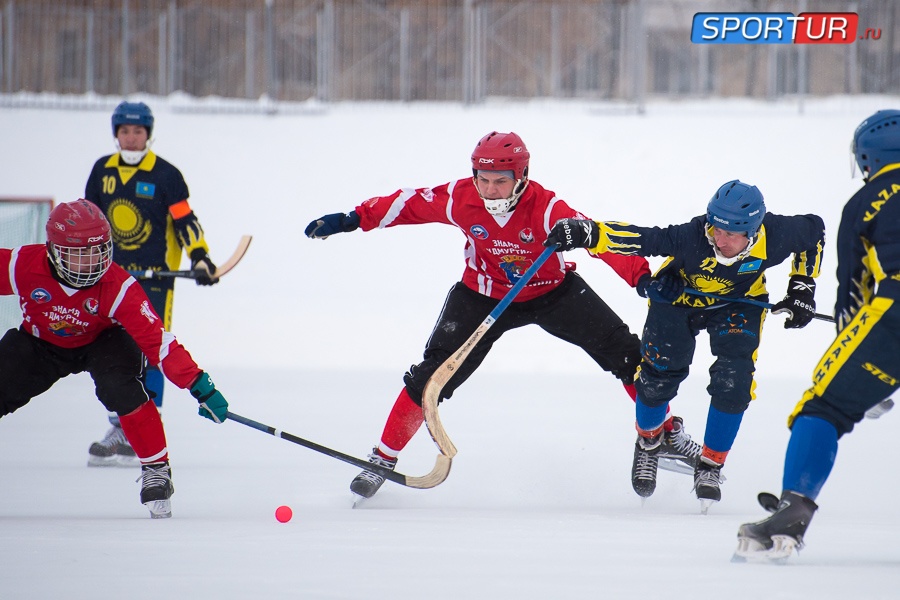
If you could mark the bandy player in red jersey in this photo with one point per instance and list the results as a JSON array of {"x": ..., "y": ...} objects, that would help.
[
  {"x": 506, "y": 219},
  {"x": 84, "y": 313}
]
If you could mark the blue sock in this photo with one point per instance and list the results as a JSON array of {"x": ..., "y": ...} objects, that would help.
[
  {"x": 810, "y": 455},
  {"x": 649, "y": 418},
  {"x": 155, "y": 383},
  {"x": 721, "y": 429}
]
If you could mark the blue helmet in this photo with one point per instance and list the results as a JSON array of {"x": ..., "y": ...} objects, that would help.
[
  {"x": 738, "y": 207},
  {"x": 132, "y": 113},
  {"x": 876, "y": 142}
]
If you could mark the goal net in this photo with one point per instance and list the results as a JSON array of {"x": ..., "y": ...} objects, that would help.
[{"x": 22, "y": 221}]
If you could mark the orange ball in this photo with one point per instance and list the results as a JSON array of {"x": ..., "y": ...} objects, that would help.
[{"x": 283, "y": 514}]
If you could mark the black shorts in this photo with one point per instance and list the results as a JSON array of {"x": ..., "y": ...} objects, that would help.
[
  {"x": 30, "y": 366},
  {"x": 572, "y": 312}
]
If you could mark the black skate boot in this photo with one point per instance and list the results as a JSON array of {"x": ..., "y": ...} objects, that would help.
[
  {"x": 707, "y": 483},
  {"x": 112, "y": 451},
  {"x": 157, "y": 488},
  {"x": 367, "y": 483},
  {"x": 678, "y": 451},
  {"x": 774, "y": 539},
  {"x": 643, "y": 467}
]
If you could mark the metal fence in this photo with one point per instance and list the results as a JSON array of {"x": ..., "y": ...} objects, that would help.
[{"x": 443, "y": 50}]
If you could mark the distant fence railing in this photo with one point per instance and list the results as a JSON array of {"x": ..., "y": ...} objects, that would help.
[{"x": 441, "y": 50}]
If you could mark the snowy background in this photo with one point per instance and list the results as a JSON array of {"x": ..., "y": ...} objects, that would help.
[{"x": 313, "y": 337}]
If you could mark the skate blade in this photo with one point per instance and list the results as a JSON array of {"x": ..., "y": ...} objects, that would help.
[
  {"x": 705, "y": 503},
  {"x": 768, "y": 501},
  {"x": 675, "y": 466},
  {"x": 358, "y": 501},
  {"x": 750, "y": 550},
  {"x": 159, "y": 509},
  {"x": 102, "y": 461},
  {"x": 127, "y": 462}
]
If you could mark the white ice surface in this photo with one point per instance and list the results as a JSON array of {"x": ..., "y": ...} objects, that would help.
[{"x": 313, "y": 337}]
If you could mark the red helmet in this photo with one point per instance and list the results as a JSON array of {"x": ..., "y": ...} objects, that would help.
[
  {"x": 501, "y": 152},
  {"x": 79, "y": 242}
]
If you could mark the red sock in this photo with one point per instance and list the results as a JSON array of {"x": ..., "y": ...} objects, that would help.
[
  {"x": 145, "y": 433},
  {"x": 714, "y": 455},
  {"x": 402, "y": 424},
  {"x": 632, "y": 391}
]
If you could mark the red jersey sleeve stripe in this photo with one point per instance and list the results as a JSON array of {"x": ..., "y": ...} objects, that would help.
[
  {"x": 13, "y": 258},
  {"x": 396, "y": 207},
  {"x": 120, "y": 296}
]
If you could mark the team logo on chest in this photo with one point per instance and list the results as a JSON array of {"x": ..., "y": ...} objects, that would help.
[
  {"x": 92, "y": 305},
  {"x": 479, "y": 232},
  {"x": 526, "y": 236},
  {"x": 130, "y": 228},
  {"x": 514, "y": 266},
  {"x": 40, "y": 295}
]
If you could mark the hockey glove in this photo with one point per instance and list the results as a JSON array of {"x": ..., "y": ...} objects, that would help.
[
  {"x": 322, "y": 227},
  {"x": 666, "y": 289},
  {"x": 569, "y": 234},
  {"x": 200, "y": 262},
  {"x": 213, "y": 405},
  {"x": 799, "y": 303}
]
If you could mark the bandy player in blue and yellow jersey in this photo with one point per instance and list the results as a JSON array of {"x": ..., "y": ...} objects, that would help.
[
  {"x": 724, "y": 252},
  {"x": 145, "y": 200},
  {"x": 862, "y": 367}
]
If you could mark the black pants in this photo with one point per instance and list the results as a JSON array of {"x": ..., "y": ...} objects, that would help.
[
  {"x": 860, "y": 368},
  {"x": 572, "y": 312},
  {"x": 669, "y": 341},
  {"x": 30, "y": 366}
]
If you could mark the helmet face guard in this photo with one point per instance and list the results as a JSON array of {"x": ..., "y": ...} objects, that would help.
[
  {"x": 876, "y": 143},
  {"x": 81, "y": 267},
  {"x": 502, "y": 152},
  {"x": 79, "y": 243}
]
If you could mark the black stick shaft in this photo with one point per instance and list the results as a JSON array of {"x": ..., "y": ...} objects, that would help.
[{"x": 363, "y": 464}]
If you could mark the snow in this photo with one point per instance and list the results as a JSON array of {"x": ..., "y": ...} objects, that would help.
[{"x": 313, "y": 337}]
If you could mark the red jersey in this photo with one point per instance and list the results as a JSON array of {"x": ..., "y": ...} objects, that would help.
[
  {"x": 499, "y": 249},
  {"x": 71, "y": 318}
]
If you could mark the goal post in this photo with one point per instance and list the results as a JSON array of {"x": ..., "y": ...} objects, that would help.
[{"x": 22, "y": 221}]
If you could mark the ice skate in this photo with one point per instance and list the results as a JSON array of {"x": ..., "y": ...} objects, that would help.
[
  {"x": 644, "y": 465},
  {"x": 774, "y": 539},
  {"x": 678, "y": 452},
  {"x": 156, "y": 489},
  {"x": 367, "y": 483},
  {"x": 707, "y": 483},
  {"x": 112, "y": 451},
  {"x": 880, "y": 409}
]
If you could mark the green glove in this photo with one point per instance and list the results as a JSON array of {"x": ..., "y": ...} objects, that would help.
[{"x": 213, "y": 405}]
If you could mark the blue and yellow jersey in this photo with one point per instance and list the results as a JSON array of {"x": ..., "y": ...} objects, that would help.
[
  {"x": 147, "y": 207},
  {"x": 868, "y": 244},
  {"x": 691, "y": 254}
]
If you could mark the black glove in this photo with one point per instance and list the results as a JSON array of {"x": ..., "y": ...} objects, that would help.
[
  {"x": 200, "y": 262},
  {"x": 569, "y": 234},
  {"x": 322, "y": 227},
  {"x": 799, "y": 302},
  {"x": 666, "y": 289}
]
